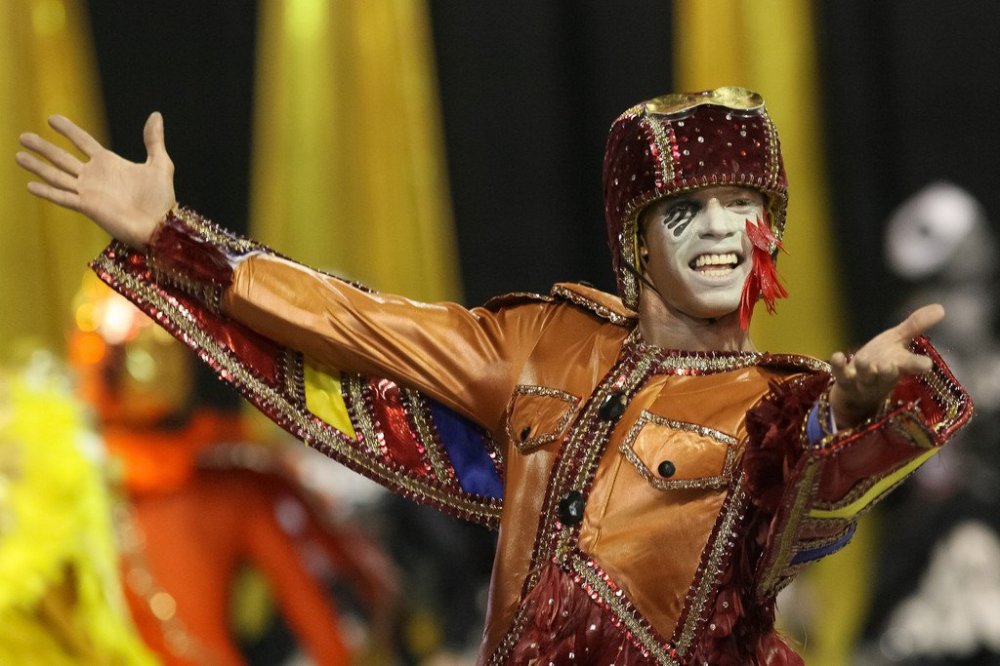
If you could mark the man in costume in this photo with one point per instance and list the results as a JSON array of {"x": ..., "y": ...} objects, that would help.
[{"x": 655, "y": 479}]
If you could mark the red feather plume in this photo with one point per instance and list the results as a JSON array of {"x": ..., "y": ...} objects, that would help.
[{"x": 763, "y": 281}]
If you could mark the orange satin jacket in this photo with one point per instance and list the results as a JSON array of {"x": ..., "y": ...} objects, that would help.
[{"x": 654, "y": 501}]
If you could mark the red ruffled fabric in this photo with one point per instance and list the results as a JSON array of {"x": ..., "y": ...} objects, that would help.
[
  {"x": 180, "y": 250},
  {"x": 740, "y": 631},
  {"x": 565, "y": 626}
]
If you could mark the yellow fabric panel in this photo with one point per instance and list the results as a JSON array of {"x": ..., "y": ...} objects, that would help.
[
  {"x": 348, "y": 168},
  {"x": 325, "y": 399},
  {"x": 46, "y": 66},
  {"x": 876, "y": 491},
  {"x": 767, "y": 46}
]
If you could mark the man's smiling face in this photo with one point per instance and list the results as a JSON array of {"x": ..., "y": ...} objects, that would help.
[{"x": 697, "y": 253}]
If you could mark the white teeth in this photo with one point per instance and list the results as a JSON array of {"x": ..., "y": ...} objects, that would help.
[{"x": 727, "y": 260}]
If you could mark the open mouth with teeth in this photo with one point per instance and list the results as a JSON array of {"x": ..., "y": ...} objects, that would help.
[{"x": 715, "y": 265}]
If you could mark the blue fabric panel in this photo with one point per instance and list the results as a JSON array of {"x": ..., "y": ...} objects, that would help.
[
  {"x": 815, "y": 553},
  {"x": 813, "y": 430},
  {"x": 467, "y": 447}
]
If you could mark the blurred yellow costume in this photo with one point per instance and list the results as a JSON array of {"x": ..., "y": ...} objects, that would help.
[{"x": 60, "y": 601}]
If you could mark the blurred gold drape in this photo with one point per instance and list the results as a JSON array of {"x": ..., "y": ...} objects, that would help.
[
  {"x": 769, "y": 46},
  {"x": 348, "y": 167},
  {"x": 46, "y": 66}
]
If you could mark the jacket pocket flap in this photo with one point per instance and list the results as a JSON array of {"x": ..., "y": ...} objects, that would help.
[
  {"x": 538, "y": 415},
  {"x": 676, "y": 454}
]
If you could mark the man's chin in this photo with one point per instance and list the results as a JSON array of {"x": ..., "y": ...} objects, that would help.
[{"x": 715, "y": 315}]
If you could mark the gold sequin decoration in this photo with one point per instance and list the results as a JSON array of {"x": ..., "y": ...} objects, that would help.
[
  {"x": 418, "y": 412},
  {"x": 708, "y": 578},
  {"x": 588, "y": 304},
  {"x": 772, "y": 581},
  {"x": 531, "y": 443},
  {"x": 621, "y": 610}
]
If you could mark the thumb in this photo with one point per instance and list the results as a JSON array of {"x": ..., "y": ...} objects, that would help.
[{"x": 152, "y": 136}]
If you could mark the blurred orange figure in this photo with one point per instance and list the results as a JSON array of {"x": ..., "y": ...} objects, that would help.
[{"x": 203, "y": 500}]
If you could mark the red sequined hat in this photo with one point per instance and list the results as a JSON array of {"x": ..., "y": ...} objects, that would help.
[{"x": 681, "y": 142}]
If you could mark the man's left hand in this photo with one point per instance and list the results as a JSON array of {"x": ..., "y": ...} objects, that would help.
[{"x": 864, "y": 381}]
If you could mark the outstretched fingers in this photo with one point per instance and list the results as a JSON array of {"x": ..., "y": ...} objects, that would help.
[
  {"x": 918, "y": 323},
  {"x": 152, "y": 136},
  {"x": 863, "y": 381},
  {"x": 64, "y": 198},
  {"x": 53, "y": 153},
  {"x": 79, "y": 137},
  {"x": 55, "y": 177}
]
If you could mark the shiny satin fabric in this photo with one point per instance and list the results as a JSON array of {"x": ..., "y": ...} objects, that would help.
[
  {"x": 625, "y": 466},
  {"x": 465, "y": 359}
]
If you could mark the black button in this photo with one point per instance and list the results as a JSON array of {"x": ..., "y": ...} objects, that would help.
[
  {"x": 571, "y": 508},
  {"x": 666, "y": 469},
  {"x": 525, "y": 433},
  {"x": 613, "y": 407}
]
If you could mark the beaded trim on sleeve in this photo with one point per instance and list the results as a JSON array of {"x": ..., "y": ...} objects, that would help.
[
  {"x": 434, "y": 451},
  {"x": 905, "y": 420},
  {"x": 125, "y": 271},
  {"x": 189, "y": 253},
  {"x": 775, "y": 574}
]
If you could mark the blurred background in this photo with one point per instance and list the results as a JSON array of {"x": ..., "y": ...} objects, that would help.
[{"x": 452, "y": 150}]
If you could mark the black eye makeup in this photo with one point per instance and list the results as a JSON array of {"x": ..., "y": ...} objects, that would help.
[{"x": 679, "y": 215}]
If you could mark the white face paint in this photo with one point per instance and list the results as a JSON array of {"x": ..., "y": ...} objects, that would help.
[{"x": 699, "y": 254}]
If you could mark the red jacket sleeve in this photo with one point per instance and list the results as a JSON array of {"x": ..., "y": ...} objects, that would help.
[{"x": 814, "y": 491}]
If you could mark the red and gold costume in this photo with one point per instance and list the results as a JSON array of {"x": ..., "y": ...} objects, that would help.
[{"x": 651, "y": 502}]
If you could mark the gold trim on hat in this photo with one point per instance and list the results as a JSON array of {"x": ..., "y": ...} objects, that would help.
[{"x": 731, "y": 97}]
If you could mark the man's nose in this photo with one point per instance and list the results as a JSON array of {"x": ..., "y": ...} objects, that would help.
[{"x": 717, "y": 221}]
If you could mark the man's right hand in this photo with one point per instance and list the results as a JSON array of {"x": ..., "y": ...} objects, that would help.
[{"x": 124, "y": 198}]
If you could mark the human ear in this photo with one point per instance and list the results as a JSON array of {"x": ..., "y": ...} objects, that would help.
[{"x": 640, "y": 235}]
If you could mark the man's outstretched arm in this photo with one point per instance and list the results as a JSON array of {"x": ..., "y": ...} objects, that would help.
[
  {"x": 328, "y": 319},
  {"x": 291, "y": 339},
  {"x": 827, "y": 448}
]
